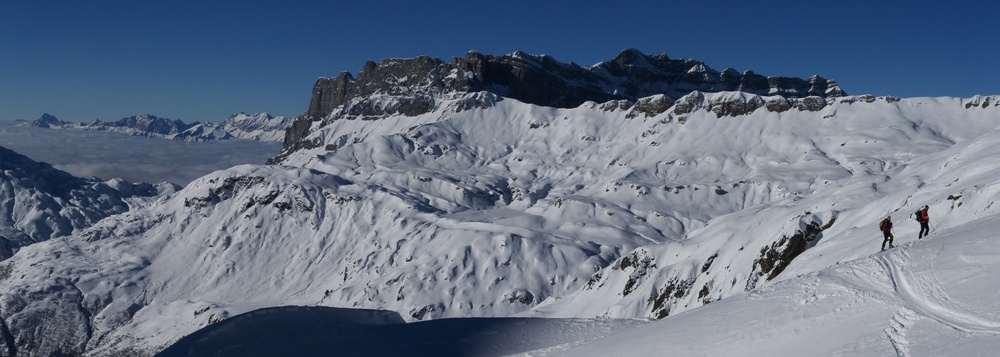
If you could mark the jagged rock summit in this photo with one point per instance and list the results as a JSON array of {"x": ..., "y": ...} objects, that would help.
[
  {"x": 417, "y": 85},
  {"x": 542, "y": 80}
]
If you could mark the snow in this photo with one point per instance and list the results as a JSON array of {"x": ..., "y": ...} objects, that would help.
[
  {"x": 930, "y": 297},
  {"x": 484, "y": 218}
]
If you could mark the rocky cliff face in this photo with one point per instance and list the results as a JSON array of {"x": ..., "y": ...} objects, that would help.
[
  {"x": 415, "y": 86},
  {"x": 542, "y": 80}
]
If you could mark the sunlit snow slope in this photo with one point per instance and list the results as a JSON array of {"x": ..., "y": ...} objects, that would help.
[
  {"x": 933, "y": 297},
  {"x": 504, "y": 208}
]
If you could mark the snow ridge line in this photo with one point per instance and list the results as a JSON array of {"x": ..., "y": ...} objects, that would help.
[{"x": 947, "y": 315}]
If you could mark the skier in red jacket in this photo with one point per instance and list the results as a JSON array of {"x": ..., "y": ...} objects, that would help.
[{"x": 924, "y": 222}]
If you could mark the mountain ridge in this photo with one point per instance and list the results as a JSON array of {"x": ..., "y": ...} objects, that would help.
[
  {"x": 260, "y": 126},
  {"x": 418, "y": 85}
]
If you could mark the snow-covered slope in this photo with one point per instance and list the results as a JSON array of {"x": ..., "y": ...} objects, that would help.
[
  {"x": 831, "y": 224},
  {"x": 486, "y": 206},
  {"x": 932, "y": 297},
  {"x": 39, "y": 202}
]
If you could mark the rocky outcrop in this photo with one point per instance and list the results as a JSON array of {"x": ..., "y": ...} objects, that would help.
[
  {"x": 776, "y": 257},
  {"x": 542, "y": 80},
  {"x": 981, "y": 102},
  {"x": 414, "y": 80}
]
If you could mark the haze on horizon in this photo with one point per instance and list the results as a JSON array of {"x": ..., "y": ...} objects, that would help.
[{"x": 105, "y": 155}]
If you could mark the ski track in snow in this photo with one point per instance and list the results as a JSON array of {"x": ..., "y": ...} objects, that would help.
[{"x": 924, "y": 295}]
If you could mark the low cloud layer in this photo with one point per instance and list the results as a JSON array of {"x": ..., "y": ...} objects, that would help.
[{"x": 110, "y": 155}]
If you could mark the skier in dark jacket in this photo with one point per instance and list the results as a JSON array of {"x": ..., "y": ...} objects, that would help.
[
  {"x": 886, "y": 227},
  {"x": 924, "y": 222}
]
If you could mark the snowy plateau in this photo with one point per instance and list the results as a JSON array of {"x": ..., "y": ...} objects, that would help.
[{"x": 718, "y": 223}]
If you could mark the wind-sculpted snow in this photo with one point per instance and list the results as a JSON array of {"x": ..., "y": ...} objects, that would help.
[{"x": 509, "y": 208}]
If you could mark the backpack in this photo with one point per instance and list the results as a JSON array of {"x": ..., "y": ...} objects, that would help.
[{"x": 884, "y": 225}]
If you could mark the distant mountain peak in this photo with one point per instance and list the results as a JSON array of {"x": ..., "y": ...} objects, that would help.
[{"x": 47, "y": 120}]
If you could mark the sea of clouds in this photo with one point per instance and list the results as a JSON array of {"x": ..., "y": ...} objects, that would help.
[{"x": 136, "y": 159}]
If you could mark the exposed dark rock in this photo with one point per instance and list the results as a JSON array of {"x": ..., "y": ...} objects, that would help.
[
  {"x": 708, "y": 263},
  {"x": 642, "y": 264},
  {"x": 812, "y": 104},
  {"x": 735, "y": 107},
  {"x": 777, "y": 256},
  {"x": 705, "y": 290},
  {"x": 977, "y": 101},
  {"x": 651, "y": 106},
  {"x": 673, "y": 291},
  {"x": 520, "y": 296},
  {"x": 778, "y": 105},
  {"x": 295, "y": 139}
]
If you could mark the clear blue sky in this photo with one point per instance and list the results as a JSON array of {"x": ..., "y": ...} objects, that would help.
[{"x": 204, "y": 60}]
